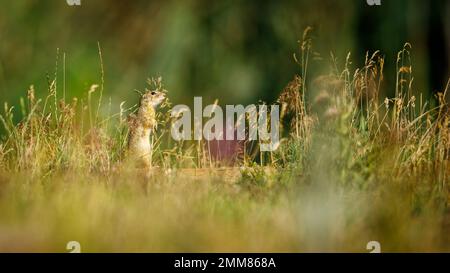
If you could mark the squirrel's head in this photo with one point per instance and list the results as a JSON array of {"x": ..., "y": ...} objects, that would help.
[{"x": 153, "y": 98}]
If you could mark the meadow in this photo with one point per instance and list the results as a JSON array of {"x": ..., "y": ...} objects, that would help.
[{"x": 353, "y": 166}]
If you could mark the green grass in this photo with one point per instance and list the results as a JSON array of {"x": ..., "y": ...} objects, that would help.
[{"x": 353, "y": 167}]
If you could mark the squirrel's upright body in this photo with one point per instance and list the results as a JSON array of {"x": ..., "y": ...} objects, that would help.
[{"x": 141, "y": 126}]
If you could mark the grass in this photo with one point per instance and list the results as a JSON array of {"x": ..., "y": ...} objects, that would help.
[{"x": 352, "y": 167}]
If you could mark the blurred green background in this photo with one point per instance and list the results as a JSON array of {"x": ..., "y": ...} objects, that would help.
[{"x": 236, "y": 51}]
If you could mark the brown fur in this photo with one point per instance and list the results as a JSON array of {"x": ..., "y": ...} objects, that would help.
[{"x": 141, "y": 126}]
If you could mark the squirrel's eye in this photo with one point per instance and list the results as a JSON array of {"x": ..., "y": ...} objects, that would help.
[{"x": 153, "y": 93}]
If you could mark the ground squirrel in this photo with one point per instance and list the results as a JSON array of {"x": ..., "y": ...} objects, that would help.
[{"x": 141, "y": 125}]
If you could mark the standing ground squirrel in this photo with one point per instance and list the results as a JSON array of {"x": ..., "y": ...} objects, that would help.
[{"x": 141, "y": 125}]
